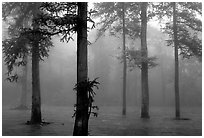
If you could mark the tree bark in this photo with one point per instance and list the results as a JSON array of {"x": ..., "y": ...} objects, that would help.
[
  {"x": 81, "y": 119},
  {"x": 36, "y": 98},
  {"x": 176, "y": 85},
  {"x": 124, "y": 65},
  {"x": 144, "y": 69}
]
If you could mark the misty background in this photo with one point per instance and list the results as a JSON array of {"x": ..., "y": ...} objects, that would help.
[{"x": 58, "y": 74}]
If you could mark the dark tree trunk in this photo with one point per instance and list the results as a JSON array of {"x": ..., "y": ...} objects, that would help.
[
  {"x": 81, "y": 119},
  {"x": 144, "y": 69},
  {"x": 23, "y": 102},
  {"x": 176, "y": 85},
  {"x": 124, "y": 64},
  {"x": 36, "y": 94},
  {"x": 36, "y": 99}
]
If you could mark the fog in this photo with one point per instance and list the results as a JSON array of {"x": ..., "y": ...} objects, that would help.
[
  {"x": 58, "y": 74},
  {"x": 60, "y": 103}
]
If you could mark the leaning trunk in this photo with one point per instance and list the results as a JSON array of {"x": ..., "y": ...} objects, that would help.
[
  {"x": 124, "y": 64},
  {"x": 144, "y": 69},
  {"x": 81, "y": 119},
  {"x": 176, "y": 85}
]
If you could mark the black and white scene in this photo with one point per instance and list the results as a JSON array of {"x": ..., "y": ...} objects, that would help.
[{"x": 101, "y": 68}]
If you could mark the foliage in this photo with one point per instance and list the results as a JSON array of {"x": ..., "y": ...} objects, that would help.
[
  {"x": 189, "y": 26},
  {"x": 88, "y": 85},
  {"x": 53, "y": 18},
  {"x": 135, "y": 59},
  {"x": 110, "y": 14},
  {"x": 22, "y": 36},
  {"x": 60, "y": 18},
  {"x": 189, "y": 43}
]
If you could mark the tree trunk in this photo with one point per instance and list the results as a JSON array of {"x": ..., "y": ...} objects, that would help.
[
  {"x": 36, "y": 99},
  {"x": 176, "y": 85},
  {"x": 81, "y": 119},
  {"x": 124, "y": 64},
  {"x": 23, "y": 102},
  {"x": 144, "y": 69}
]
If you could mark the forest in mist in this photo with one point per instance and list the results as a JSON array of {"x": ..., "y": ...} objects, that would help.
[
  {"x": 58, "y": 74},
  {"x": 64, "y": 63}
]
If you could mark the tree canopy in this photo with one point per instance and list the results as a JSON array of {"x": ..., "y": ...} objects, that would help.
[
  {"x": 189, "y": 25},
  {"x": 22, "y": 35}
]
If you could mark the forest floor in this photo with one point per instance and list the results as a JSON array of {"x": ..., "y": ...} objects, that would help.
[{"x": 109, "y": 122}]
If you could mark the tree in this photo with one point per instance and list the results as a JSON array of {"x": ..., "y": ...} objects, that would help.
[
  {"x": 184, "y": 35},
  {"x": 124, "y": 62},
  {"x": 189, "y": 26},
  {"x": 36, "y": 98},
  {"x": 26, "y": 32},
  {"x": 66, "y": 19},
  {"x": 139, "y": 58},
  {"x": 116, "y": 10},
  {"x": 81, "y": 119},
  {"x": 144, "y": 68},
  {"x": 111, "y": 18},
  {"x": 176, "y": 85}
]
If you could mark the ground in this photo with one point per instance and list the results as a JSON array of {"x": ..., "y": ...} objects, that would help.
[{"x": 109, "y": 122}]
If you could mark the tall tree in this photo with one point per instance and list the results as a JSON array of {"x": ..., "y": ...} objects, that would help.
[
  {"x": 15, "y": 47},
  {"x": 66, "y": 19},
  {"x": 189, "y": 26},
  {"x": 184, "y": 35},
  {"x": 176, "y": 66},
  {"x": 81, "y": 119},
  {"x": 136, "y": 26},
  {"x": 124, "y": 62},
  {"x": 144, "y": 67},
  {"x": 36, "y": 116},
  {"x": 114, "y": 19}
]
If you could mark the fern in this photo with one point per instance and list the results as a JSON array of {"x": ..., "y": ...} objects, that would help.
[{"x": 89, "y": 86}]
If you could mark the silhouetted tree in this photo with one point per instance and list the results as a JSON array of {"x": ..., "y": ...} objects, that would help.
[
  {"x": 66, "y": 19},
  {"x": 81, "y": 119}
]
